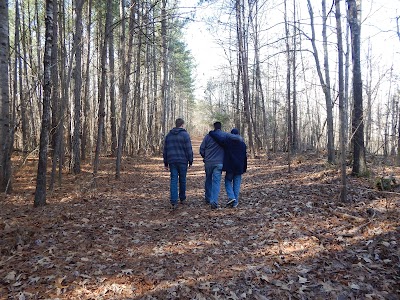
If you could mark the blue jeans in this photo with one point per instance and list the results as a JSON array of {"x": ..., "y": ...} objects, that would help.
[
  {"x": 213, "y": 181},
  {"x": 232, "y": 186},
  {"x": 178, "y": 172}
]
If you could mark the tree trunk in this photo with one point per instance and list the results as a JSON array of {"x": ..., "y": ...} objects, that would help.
[
  {"x": 102, "y": 92},
  {"x": 5, "y": 156},
  {"x": 359, "y": 160},
  {"x": 343, "y": 140},
  {"x": 76, "y": 138},
  {"x": 29, "y": 60},
  {"x": 57, "y": 122},
  {"x": 328, "y": 97},
  {"x": 40, "y": 193},
  {"x": 325, "y": 86},
  {"x": 398, "y": 139},
  {"x": 38, "y": 53},
  {"x": 86, "y": 103},
  {"x": 125, "y": 86},
  {"x": 113, "y": 113},
  {"x": 289, "y": 110},
  {"x": 18, "y": 81},
  {"x": 137, "y": 92},
  {"x": 295, "y": 131},
  {"x": 346, "y": 83},
  {"x": 244, "y": 66},
  {"x": 164, "y": 94}
]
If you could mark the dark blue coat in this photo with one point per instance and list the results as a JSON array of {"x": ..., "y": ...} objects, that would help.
[{"x": 235, "y": 156}]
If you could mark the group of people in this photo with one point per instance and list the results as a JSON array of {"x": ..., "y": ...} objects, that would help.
[{"x": 221, "y": 151}]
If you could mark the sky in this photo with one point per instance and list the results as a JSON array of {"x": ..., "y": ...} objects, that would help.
[
  {"x": 207, "y": 54},
  {"x": 378, "y": 23}
]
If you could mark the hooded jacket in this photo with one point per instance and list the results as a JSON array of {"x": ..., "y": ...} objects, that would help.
[
  {"x": 235, "y": 156},
  {"x": 178, "y": 147}
]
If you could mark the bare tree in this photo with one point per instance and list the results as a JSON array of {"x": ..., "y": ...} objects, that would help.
[
  {"x": 343, "y": 140},
  {"x": 113, "y": 114},
  {"x": 125, "y": 83},
  {"x": 164, "y": 87},
  {"x": 56, "y": 115},
  {"x": 86, "y": 96},
  {"x": 242, "y": 39},
  {"x": 288, "y": 86},
  {"x": 325, "y": 83},
  {"x": 76, "y": 138},
  {"x": 5, "y": 155},
  {"x": 40, "y": 193},
  {"x": 359, "y": 160},
  {"x": 102, "y": 92}
]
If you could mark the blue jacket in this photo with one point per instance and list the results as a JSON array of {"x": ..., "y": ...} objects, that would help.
[
  {"x": 177, "y": 147},
  {"x": 211, "y": 151},
  {"x": 235, "y": 156}
]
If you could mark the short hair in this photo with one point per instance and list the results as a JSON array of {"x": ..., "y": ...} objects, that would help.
[
  {"x": 217, "y": 125},
  {"x": 179, "y": 122}
]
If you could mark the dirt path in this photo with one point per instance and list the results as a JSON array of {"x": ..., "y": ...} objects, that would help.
[{"x": 289, "y": 238}]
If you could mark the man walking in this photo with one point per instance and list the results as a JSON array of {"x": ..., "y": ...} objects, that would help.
[
  {"x": 213, "y": 157},
  {"x": 178, "y": 155},
  {"x": 235, "y": 163}
]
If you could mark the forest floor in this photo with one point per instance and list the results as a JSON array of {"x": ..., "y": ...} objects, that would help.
[{"x": 289, "y": 238}]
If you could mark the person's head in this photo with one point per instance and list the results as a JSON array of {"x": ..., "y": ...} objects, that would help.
[
  {"x": 234, "y": 131},
  {"x": 179, "y": 122},
  {"x": 217, "y": 125}
]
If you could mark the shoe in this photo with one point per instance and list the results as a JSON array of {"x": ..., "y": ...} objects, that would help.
[
  {"x": 230, "y": 202},
  {"x": 183, "y": 201},
  {"x": 174, "y": 206},
  {"x": 214, "y": 206},
  {"x": 235, "y": 205}
]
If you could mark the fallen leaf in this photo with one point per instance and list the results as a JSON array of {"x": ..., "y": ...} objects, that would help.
[
  {"x": 58, "y": 283},
  {"x": 302, "y": 279}
]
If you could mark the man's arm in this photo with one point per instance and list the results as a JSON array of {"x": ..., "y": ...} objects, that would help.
[
  {"x": 218, "y": 136},
  {"x": 189, "y": 150},
  {"x": 222, "y": 137},
  {"x": 165, "y": 153},
  {"x": 203, "y": 147}
]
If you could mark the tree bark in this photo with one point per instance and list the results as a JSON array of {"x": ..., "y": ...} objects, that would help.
[
  {"x": 324, "y": 84},
  {"x": 5, "y": 156},
  {"x": 57, "y": 121},
  {"x": 113, "y": 113},
  {"x": 359, "y": 160},
  {"x": 86, "y": 103},
  {"x": 102, "y": 88},
  {"x": 125, "y": 85},
  {"x": 343, "y": 140},
  {"x": 295, "y": 131},
  {"x": 76, "y": 138},
  {"x": 244, "y": 65},
  {"x": 164, "y": 87},
  {"x": 40, "y": 193},
  {"x": 289, "y": 109}
]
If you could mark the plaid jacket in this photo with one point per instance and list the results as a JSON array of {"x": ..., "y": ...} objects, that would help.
[{"x": 178, "y": 147}]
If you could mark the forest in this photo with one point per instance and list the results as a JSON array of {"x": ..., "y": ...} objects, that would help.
[{"x": 88, "y": 91}]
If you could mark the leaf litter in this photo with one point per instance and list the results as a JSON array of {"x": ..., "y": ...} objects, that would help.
[{"x": 290, "y": 237}]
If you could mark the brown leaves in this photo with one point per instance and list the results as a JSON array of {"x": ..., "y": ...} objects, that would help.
[{"x": 289, "y": 237}]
